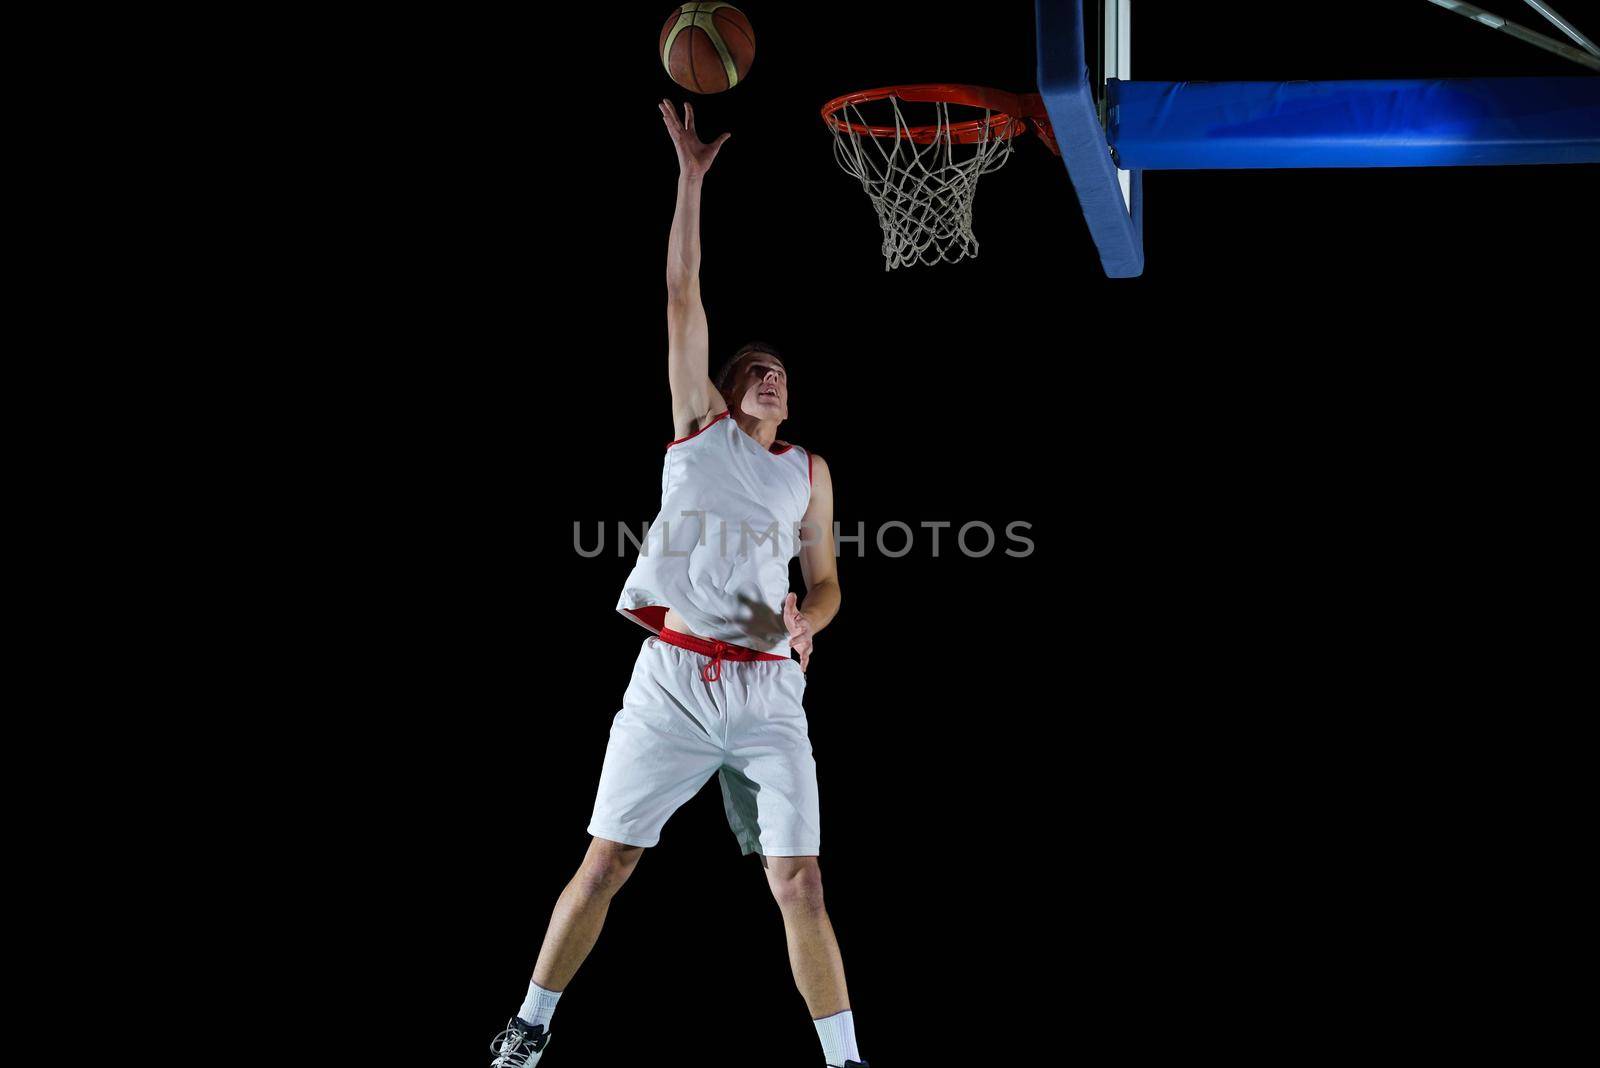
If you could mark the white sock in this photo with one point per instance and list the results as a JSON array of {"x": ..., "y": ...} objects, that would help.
[
  {"x": 539, "y": 1006},
  {"x": 838, "y": 1034}
]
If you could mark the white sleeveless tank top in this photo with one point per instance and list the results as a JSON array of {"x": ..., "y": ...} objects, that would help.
[{"x": 723, "y": 566}]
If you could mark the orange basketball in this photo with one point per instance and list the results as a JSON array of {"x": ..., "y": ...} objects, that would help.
[{"x": 707, "y": 48}]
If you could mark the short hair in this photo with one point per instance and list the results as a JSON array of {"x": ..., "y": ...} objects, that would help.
[{"x": 744, "y": 350}]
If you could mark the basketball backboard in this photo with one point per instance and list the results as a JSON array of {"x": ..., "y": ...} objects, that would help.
[{"x": 1111, "y": 129}]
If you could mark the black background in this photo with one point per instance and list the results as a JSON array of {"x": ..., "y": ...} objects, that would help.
[{"x": 1064, "y": 797}]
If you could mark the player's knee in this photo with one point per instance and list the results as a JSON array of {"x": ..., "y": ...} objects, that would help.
[
  {"x": 606, "y": 868},
  {"x": 799, "y": 890}
]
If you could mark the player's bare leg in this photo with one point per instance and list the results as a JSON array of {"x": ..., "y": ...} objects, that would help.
[
  {"x": 581, "y": 910},
  {"x": 574, "y": 928},
  {"x": 796, "y": 884}
]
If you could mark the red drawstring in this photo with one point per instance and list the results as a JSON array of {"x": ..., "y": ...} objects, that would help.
[
  {"x": 712, "y": 671},
  {"x": 714, "y": 651}
]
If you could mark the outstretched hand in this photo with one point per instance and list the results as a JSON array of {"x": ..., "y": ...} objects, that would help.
[
  {"x": 694, "y": 155},
  {"x": 799, "y": 630}
]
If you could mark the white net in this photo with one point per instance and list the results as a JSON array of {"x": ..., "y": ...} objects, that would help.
[{"x": 922, "y": 190}]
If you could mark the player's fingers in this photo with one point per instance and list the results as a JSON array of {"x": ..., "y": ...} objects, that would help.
[{"x": 688, "y": 115}]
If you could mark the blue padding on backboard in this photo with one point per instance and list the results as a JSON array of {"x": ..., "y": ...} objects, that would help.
[
  {"x": 1064, "y": 84},
  {"x": 1457, "y": 122}
]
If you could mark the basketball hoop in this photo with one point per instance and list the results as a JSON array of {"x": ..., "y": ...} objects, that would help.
[{"x": 922, "y": 179}]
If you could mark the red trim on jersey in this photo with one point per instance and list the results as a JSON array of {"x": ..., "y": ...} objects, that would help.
[
  {"x": 652, "y": 616},
  {"x": 808, "y": 467},
  {"x": 717, "y": 651},
  {"x": 728, "y": 412},
  {"x": 720, "y": 415}
]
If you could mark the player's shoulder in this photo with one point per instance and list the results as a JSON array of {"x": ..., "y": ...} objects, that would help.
[{"x": 821, "y": 475}]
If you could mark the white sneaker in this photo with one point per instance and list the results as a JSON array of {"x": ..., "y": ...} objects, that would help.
[{"x": 519, "y": 1045}]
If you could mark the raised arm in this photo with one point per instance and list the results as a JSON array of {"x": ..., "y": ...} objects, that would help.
[{"x": 694, "y": 398}]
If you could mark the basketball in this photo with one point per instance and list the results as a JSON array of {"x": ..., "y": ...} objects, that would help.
[{"x": 707, "y": 47}]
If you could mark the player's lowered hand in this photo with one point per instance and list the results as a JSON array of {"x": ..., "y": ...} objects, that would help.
[
  {"x": 694, "y": 155},
  {"x": 799, "y": 630}
]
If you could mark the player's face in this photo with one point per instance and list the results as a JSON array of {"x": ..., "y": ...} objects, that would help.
[{"x": 761, "y": 388}]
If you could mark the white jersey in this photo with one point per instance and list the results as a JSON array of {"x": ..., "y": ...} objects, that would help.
[{"x": 718, "y": 553}]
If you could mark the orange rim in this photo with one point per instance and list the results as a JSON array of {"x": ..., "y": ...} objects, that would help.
[{"x": 1005, "y": 121}]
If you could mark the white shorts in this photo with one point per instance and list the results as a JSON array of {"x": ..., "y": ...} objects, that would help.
[{"x": 676, "y": 730}]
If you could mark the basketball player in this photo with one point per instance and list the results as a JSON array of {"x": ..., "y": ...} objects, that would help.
[{"x": 715, "y": 691}]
